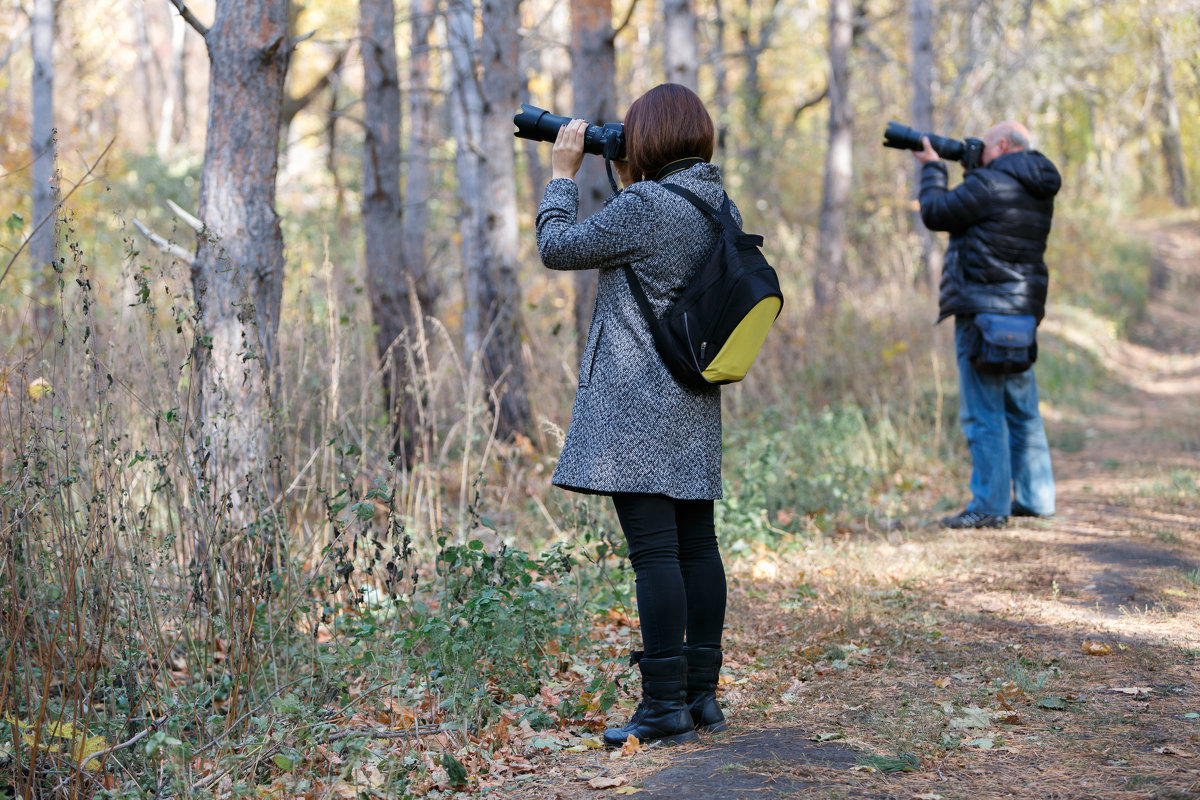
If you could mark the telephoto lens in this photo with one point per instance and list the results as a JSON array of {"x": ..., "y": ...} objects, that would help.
[{"x": 542, "y": 126}]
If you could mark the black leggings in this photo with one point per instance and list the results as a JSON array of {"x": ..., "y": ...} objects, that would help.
[{"x": 678, "y": 570}]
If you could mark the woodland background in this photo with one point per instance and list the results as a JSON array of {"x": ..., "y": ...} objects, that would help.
[{"x": 282, "y": 379}]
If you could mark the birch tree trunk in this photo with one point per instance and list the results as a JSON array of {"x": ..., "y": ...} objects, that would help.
[
  {"x": 466, "y": 123},
  {"x": 680, "y": 52},
  {"x": 237, "y": 275},
  {"x": 172, "y": 121},
  {"x": 418, "y": 182},
  {"x": 499, "y": 286},
  {"x": 43, "y": 246},
  {"x": 921, "y": 19},
  {"x": 383, "y": 231},
  {"x": 1168, "y": 112},
  {"x": 831, "y": 248},
  {"x": 593, "y": 89}
]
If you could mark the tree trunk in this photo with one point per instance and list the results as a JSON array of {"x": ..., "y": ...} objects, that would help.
[
  {"x": 921, "y": 17},
  {"x": 43, "y": 246},
  {"x": 1168, "y": 112},
  {"x": 238, "y": 271},
  {"x": 499, "y": 287},
  {"x": 831, "y": 259},
  {"x": 151, "y": 72},
  {"x": 593, "y": 89},
  {"x": 172, "y": 120},
  {"x": 680, "y": 53},
  {"x": 383, "y": 231},
  {"x": 418, "y": 182},
  {"x": 466, "y": 123}
]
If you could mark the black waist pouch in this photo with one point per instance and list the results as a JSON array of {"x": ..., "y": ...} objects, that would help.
[{"x": 1007, "y": 343}]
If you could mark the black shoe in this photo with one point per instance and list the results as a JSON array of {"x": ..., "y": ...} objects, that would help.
[
  {"x": 663, "y": 714},
  {"x": 973, "y": 519},
  {"x": 1019, "y": 510},
  {"x": 703, "y": 674}
]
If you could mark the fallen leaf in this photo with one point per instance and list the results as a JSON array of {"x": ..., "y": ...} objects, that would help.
[
  {"x": 600, "y": 782},
  {"x": 631, "y": 746},
  {"x": 972, "y": 717},
  {"x": 1168, "y": 750},
  {"x": 628, "y": 790},
  {"x": 983, "y": 743},
  {"x": 1135, "y": 691},
  {"x": 926, "y": 796},
  {"x": 1052, "y": 703},
  {"x": 1096, "y": 648},
  {"x": 827, "y": 737}
]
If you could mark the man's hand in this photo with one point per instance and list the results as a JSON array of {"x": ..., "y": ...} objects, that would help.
[
  {"x": 567, "y": 155},
  {"x": 928, "y": 155}
]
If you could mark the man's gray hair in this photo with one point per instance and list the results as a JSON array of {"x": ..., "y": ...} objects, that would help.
[{"x": 1015, "y": 136}]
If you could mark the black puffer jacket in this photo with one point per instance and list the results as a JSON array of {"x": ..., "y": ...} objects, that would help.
[{"x": 998, "y": 219}]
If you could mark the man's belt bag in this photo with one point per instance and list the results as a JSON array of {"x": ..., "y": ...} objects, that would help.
[{"x": 1006, "y": 344}]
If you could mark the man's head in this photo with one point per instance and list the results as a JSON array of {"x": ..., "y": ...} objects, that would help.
[{"x": 1004, "y": 137}]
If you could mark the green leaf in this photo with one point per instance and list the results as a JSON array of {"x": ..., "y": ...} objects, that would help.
[
  {"x": 486, "y": 522},
  {"x": 827, "y": 737},
  {"x": 15, "y": 222},
  {"x": 364, "y": 511},
  {"x": 1052, "y": 703},
  {"x": 455, "y": 771}
]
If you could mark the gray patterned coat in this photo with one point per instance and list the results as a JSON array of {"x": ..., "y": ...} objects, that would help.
[{"x": 634, "y": 428}]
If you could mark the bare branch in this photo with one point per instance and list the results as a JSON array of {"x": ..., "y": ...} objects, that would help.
[
  {"x": 190, "y": 18},
  {"x": 57, "y": 206},
  {"x": 809, "y": 103},
  {"x": 170, "y": 248},
  {"x": 192, "y": 221},
  {"x": 628, "y": 17}
]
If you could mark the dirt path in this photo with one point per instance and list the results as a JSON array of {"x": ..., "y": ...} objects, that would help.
[{"x": 1058, "y": 658}]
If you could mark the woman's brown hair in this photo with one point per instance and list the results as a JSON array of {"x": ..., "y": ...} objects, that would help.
[{"x": 667, "y": 123}]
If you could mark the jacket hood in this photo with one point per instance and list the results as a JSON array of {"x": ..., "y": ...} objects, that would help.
[{"x": 1032, "y": 170}]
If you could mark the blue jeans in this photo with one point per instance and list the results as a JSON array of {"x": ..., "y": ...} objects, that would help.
[{"x": 1010, "y": 457}]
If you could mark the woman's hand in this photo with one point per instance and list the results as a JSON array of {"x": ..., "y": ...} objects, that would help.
[{"x": 567, "y": 155}]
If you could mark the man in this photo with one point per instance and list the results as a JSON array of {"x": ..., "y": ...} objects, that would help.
[{"x": 998, "y": 219}]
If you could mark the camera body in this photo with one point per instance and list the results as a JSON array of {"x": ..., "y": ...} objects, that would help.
[
  {"x": 606, "y": 140},
  {"x": 969, "y": 152}
]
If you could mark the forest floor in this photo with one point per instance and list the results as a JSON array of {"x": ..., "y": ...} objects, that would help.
[{"x": 1055, "y": 658}]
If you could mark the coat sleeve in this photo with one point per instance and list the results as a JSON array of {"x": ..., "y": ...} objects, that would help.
[
  {"x": 612, "y": 237},
  {"x": 952, "y": 210}
]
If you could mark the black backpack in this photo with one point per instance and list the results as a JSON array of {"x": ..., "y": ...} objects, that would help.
[{"x": 711, "y": 333}]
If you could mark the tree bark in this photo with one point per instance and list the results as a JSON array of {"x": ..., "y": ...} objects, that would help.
[
  {"x": 680, "y": 52},
  {"x": 1170, "y": 138},
  {"x": 238, "y": 270},
  {"x": 43, "y": 246},
  {"x": 921, "y": 19},
  {"x": 172, "y": 121},
  {"x": 499, "y": 287},
  {"x": 418, "y": 182},
  {"x": 383, "y": 231},
  {"x": 593, "y": 90},
  {"x": 466, "y": 123},
  {"x": 831, "y": 259}
]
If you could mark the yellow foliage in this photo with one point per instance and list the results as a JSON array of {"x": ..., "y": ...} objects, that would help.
[{"x": 62, "y": 736}]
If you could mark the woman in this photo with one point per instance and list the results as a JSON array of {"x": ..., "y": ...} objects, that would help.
[{"x": 636, "y": 434}]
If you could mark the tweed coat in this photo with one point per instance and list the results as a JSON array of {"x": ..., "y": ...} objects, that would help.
[{"x": 633, "y": 427}]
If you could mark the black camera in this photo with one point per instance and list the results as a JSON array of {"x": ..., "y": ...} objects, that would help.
[
  {"x": 606, "y": 140},
  {"x": 969, "y": 151}
]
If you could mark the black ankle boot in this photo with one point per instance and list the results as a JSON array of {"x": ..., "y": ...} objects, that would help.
[
  {"x": 703, "y": 673},
  {"x": 663, "y": 712}
]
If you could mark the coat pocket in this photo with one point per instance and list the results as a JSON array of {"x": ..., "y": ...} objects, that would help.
[{"x": 589, "y": 354}]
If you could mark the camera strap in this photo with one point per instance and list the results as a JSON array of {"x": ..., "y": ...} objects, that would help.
[{"x": 612, "y": 181}]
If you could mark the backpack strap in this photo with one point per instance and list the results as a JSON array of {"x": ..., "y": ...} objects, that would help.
[
  {"x": 724, "y": 216},
  {"x": 639, "y": 295}
]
